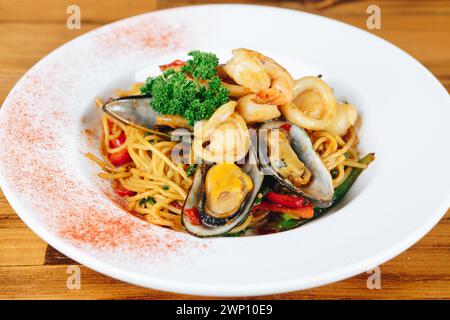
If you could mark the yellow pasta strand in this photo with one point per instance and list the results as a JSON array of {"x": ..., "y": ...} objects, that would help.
[{"x": 159, "y": 184}]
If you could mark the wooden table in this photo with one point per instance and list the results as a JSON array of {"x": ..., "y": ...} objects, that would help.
[{"x": 29, "y": 268}]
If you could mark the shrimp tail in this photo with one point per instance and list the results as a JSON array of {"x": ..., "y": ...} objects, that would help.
[{"x": 270, "y": 96}]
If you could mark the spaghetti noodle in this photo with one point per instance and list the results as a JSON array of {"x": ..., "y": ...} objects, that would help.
[
  {"x": 339, "y": 154},
  {"x": 156, "y": 185}
]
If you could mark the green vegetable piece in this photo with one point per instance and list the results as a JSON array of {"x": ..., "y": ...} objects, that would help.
[
  {"x": 191, "y": 169},
  {"x": 236, "y": 234},
  {"x": 345, "y": 186},
  {"x": 287, "y": 217},
  {"x": 165, "y": 187},
  {"x": 288, "y": 224}
]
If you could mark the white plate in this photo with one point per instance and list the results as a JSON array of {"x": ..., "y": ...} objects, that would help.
[{"x": 55, "y": 190}]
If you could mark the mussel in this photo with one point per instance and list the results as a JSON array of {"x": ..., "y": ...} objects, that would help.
[
  {"x": 285, "y": 151},
  {"x": 137, "y": 112},
  {"x": 222, "y": 195}
]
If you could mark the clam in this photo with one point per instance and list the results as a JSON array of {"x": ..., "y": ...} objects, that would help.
[
  {"x": 286, "y": 152},
  {"x": 222, "y": 194}
]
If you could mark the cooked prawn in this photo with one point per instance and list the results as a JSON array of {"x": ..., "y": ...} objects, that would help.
[
  {"x": 253, "y": 112},
  {"x": 262, "y": 75},
  {"x": 236, "y": 91}
]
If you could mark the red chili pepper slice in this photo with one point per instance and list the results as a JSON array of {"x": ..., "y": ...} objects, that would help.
[
  {"x": 286, "y": 200},
  {"x": 176, "y": 205},
  {"x": 117, "y": 142},
  {"x": 122, "y": 191},
  {"x": 174, "y": 64},
  {"x": 119, "y": 158},
  {"x": 110, "y": 124},
  {"x": 301, "y": 213},
  {"x": 286, "y": 127},
  {"x": 193, "y": 216}
]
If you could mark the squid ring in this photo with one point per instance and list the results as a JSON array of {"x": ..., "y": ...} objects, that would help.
[{"x": 299, "y": 117}]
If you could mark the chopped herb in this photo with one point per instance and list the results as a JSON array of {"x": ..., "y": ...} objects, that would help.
[
  {"x": 149, "y": 200},
  {"x": 261, "y": 196},
  {"x": 334, "y": 173},
  {"x": 191, "y": 169},
  {"x": 165, "y": 187}
]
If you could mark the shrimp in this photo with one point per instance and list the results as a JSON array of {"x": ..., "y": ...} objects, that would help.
[
  {"x": 236, "y": 90},
  {"x": 252, "y": 112},
  {"x": 271, "y": 83}
]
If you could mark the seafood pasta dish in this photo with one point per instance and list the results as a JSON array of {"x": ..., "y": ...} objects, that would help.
[{"x": 229, "y": 149}]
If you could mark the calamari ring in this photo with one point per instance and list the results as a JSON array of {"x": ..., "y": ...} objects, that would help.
[{"x": 299, "y": 117}]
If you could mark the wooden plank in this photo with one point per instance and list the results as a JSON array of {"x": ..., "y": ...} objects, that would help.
[
  {"x": 27, "y": 11},
  {"x": 419, "y": 273},
  {"x": 54, "y": 257},
  {"x": 8, "y": 218},
  {"x": 20, "y": 247},
  {"x": 49, "y": 282},
  {"x": 22, "y": 45}
]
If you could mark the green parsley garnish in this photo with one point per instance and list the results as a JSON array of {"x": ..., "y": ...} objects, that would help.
[
  {"x": 165, "y": 187},
  {"x": 194, "y": 93},
  {"x": 202, "y": 65}
]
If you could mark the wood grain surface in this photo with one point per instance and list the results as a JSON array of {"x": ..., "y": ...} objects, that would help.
[{"x": 29, "y": 268}]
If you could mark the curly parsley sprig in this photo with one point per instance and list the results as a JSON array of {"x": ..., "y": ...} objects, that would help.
[{"x": 194, "y": 92}]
